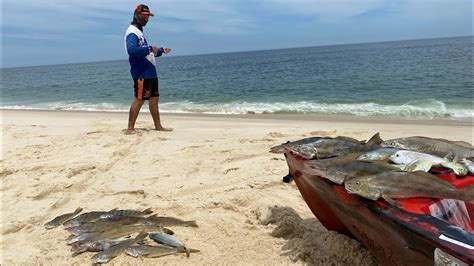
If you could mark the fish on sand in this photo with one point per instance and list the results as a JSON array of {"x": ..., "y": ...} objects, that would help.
[
  {"x": 112, "y": 252},
  {"x": 61, "y": 219}
]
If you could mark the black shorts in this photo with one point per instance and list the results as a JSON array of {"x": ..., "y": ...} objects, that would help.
[{"x": 145, "y": 88}]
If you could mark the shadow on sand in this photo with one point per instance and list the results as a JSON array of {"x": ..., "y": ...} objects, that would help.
[{"x": 308, "y": 241}]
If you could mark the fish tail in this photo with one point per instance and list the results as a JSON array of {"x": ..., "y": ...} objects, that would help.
[
  {"x": 375, "y": 139},
  {"x": 77, "y": 211},
  {"x": 192, "y": 223},
  {"x": 140, "y": 236},
  {"x": 147, "y": 211}
]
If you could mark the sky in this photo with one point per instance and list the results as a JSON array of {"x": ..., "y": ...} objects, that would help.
[{"x": 43, "y": 32}]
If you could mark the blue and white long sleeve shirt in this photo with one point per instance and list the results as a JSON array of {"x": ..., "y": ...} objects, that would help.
[{"x": 141, "y": 57}]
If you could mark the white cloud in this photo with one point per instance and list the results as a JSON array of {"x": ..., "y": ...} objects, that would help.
[
  {"x": 207, "y": 16},
  {"x": 327, "y": 9}
]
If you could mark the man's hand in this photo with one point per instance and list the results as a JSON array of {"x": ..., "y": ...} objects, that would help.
[{"x": 166, "y": 50}]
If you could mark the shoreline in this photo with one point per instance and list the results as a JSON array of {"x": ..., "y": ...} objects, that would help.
[{"x": 276, "y": 117}]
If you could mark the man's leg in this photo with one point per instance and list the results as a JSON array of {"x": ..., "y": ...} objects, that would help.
[
  {"x": 155, "y": 113},
  {"x": 134, "y": 111}
]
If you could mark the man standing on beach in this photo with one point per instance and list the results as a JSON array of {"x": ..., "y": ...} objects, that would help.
[{"x": 143, "y": 68}]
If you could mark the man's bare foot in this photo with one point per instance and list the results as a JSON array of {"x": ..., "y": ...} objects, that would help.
[
  {"x": 129, "y": 131},
  {"x": 164, "y": 129}
]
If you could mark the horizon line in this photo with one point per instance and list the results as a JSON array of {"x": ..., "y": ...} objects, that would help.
[{"x": 246, "y": 51}]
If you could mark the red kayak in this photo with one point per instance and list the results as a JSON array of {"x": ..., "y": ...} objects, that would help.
[{"x": 418, "y": 232}]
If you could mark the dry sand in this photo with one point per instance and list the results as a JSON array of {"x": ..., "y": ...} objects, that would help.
[{"x": 213, "y": 169}]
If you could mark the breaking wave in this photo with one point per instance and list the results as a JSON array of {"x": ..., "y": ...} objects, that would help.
[{"x": 427, "y": 109}]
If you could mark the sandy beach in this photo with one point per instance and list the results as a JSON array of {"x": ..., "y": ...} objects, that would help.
[{"x": 215, "y": 170}]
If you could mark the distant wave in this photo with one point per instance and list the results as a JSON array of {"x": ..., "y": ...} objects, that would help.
[{"x": 427, "y": 109}]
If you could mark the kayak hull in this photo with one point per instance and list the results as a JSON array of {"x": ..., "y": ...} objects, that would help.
[{"x": 394, "y": 236}]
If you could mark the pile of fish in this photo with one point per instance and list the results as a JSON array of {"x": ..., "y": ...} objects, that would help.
[
  {"x": 110, "y": 233},
  {"x": 396, "y": 168}
]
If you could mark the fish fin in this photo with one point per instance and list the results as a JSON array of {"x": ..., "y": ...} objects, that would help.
[
  {"x": 147, "y": 211},
  {"x": 463, "y": 143},
  {"x": 167, "y": 231},
  {"x": 191, "y": 250},
  {"x": 152, "y": 216},
  {"x": 192, "y": 223},
  {"x": 187, "y": 251},
  {"x": 449, "y": 155},
  {"x": 77, "y": 211},
  {"x": 456, "y": 158},
  {"x": 114, "y": 209},
  {"x": 391, "y": 201},
  {"x": 140, "y": 236},
  {"x": 412, "y": 166},
  {"x": 375, "y": 139}
]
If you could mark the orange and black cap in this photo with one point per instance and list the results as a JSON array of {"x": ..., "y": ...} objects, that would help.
[{"x": 143, "y": 9}]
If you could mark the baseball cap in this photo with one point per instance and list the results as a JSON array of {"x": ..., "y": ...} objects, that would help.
[{"x": 143, "y": 9}]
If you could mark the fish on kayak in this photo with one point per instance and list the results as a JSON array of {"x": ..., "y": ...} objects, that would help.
[
  {"x": 319, "y": 148},
  {"x": 421, "y": 161},
  {"x": 438, "y": 147},
  {"x": 390, "y": 185},
  {"x": 380, "y": 154},
  {"x": 342, "y": 168}
]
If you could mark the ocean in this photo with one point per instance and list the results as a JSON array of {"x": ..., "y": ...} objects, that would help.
[{"x": 415, "y": 79}]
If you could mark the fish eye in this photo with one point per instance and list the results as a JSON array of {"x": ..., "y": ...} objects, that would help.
[
  {"x": 397, "y": 155},
  {"x": 357, "y": 183}
]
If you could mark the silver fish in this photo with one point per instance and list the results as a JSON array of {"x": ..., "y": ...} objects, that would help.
[
  {"x": 168, "y": 240},
  {"x": 380, "y": 154},
  {"x": 469, "y": 165},
  {"x": 61, "y": 219},
  {"x": 422, "y": 161},
  {"x": 112, "y": 252},
  {"x": 438, "y": 147}
]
